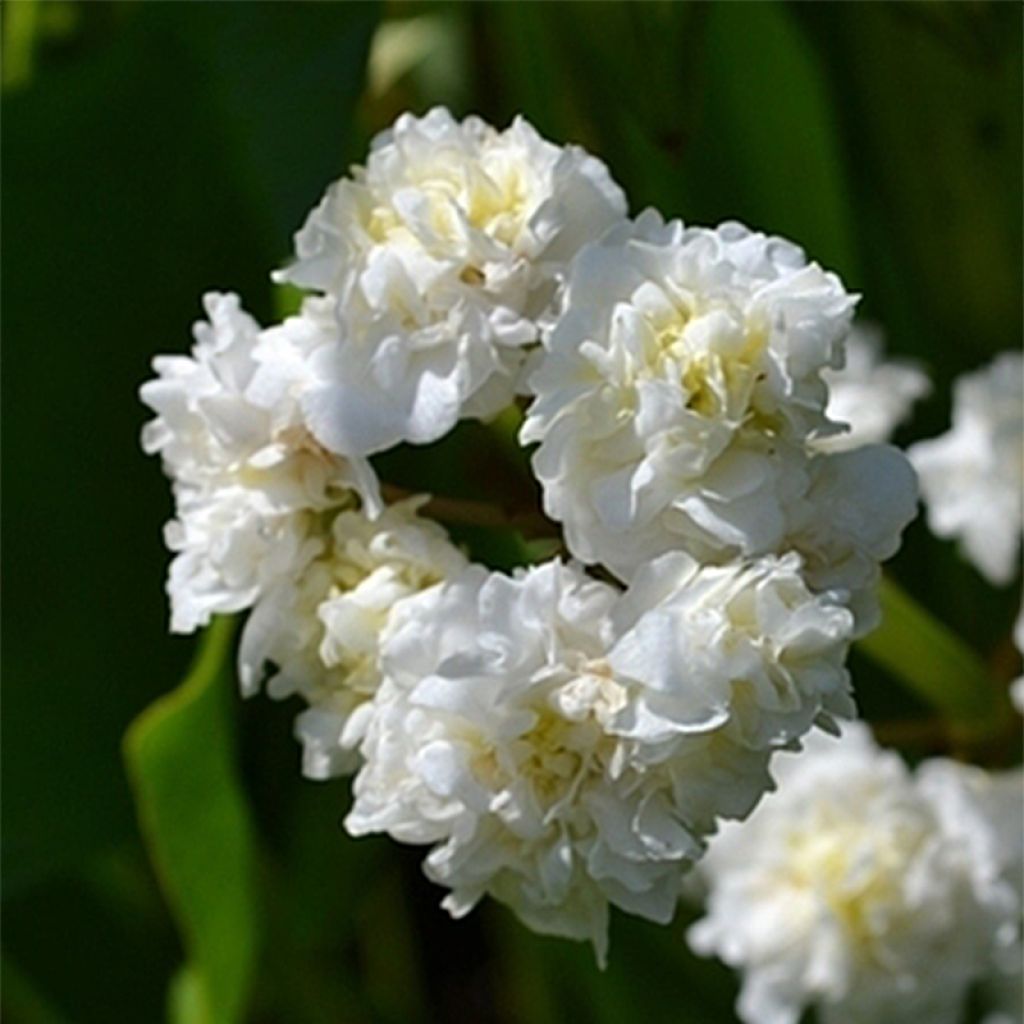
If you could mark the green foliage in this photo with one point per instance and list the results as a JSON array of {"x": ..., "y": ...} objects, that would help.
[
  {"x": 127, "y": 193},
  {"x": 931, "y": 659},
  {"x": 154, "y": 151},
  {"x": 193, "y": 815}
]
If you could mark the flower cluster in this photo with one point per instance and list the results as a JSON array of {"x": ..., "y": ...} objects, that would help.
[
  {"x": 681, "y": 402},
  {"x": 871, "y": 395},
  {"x": 567, "y": 747},
  {"x": 972, "y": 477},
  {"x": 564, "y": 740},
  {"x": 869, "y": 891}
]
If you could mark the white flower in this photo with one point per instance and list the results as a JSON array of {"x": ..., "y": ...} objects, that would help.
[
  {"x": 442, "y": 257},
  {"x": 567, "y": 748},
  {"x": 850, "y": 519},
  {"x": 871, "y": 395},
  {"x": 1017, "y": 686},
  {"x": 865, "y": 891},
  {"x": 248, "y": 477},
  {"x": 679, "y": 389},
  {"x": 972, "y": 476},
  {"x": 679, "y": 405},
  {"x": 316, "y": 633}
]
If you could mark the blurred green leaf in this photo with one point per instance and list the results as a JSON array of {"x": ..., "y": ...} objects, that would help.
[
  {"x": 20, "y": 26},
  {"x": 23, "y": 1002},
  {"x": 167, "y": 151},
  {"x": 428, "y": 53},
  {"x": 933, "y": 661},
  {"x": 186, "y": 1000},
  {"x": 771, "y": 152},
  {"x": 284, "y": 87},
  {"x": 193, "y": 814},
  {"x": 931, "y": 102}
]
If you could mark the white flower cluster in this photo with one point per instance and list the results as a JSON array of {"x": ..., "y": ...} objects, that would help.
[
  {"x": 568, "y": 747},
  {"x": 871, "y": 395},
  {"x": 680, "y": 405},
  {"x": 972, "y": 477},
  {"x": 268, "y": 519},
  {"x": 868, "y": 891},
  {"x": 441, "y": 259},
  {"x": 564, "y": 743}
]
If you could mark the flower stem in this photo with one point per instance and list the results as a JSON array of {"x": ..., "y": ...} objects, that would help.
[
  {"x": 466, "y": 512},
  {"x": 930, "y": 659},
  {"x": 911, "y": 644}
]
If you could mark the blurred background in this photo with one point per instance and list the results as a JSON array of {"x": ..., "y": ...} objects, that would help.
[{"x": 154, "y": 151}]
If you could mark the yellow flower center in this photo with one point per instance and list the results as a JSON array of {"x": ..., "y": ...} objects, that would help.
[{"x": 857, "y": 869}]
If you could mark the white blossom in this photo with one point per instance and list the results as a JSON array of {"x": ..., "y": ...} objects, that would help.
[
  {"x": 566, "y": 747},
  {"x": 248, "y": 476},
  {"x": 316, "y": 633},
  {"x": 442, "y": 258},
  {"x": 850, "y": 519},
  {"x": 678, "y": 390},
  {"x": 871, "y": 395},
  {"x": 972, "y": 477},
  {"x": 866, "y": 891},
  {"x": 1017, "y": 686},
  {"x": 680, "y": 401}
]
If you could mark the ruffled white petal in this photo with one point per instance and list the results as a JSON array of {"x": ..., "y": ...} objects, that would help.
[
  {"x": 567, "y": 748},
  {"x": 972, "y": 477},
  {"x": 867, "y": 891},
  {"x": 441, "y": 260}
]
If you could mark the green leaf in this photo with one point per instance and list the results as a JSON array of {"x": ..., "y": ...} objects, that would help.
[
  {"x": 284, "y": 82},
  {"x": 186, "y": 1000},
  {"x": 181, "y": 761},
  {"x": 133, "y": 182},
  {"x": 20, "y": 22},
  {"x": 939, "y": 171},
  {"x": 934, "y": 662},
  {"x": 22, "y": 1000},
  {"x": 771, "y": 152}
]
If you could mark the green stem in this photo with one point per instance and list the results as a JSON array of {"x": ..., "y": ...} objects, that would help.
[
  {"x": 20, "y": 19},
  {"x": 917, "y": 649},
  {"x": 928, "y": 658},
  {"x": 467, "y": 512}
]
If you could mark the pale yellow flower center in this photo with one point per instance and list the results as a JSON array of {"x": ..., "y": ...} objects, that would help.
[
  {"x": 495, "y": 201},
  {"x": 857, "y": 869},
  {"x": 718, "y": 378},
  {"x": 564, "y": 742}
]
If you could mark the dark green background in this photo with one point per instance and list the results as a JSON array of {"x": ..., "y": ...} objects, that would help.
[{"x": 154, "y": 151}]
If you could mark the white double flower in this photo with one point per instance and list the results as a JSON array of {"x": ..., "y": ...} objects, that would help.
[
  {"x": 868, "y": 891},
  {"x": 566, "y": 747}
]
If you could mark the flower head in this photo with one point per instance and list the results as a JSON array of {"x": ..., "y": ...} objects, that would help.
[
  {"x": 680, "y": 403},
  {"x": 566, "y": 748},
  {"x": 972, "y": 477},
  {"x": 316, "y": 633},
  {"x": 872, "y": 396},
  {"x": 442, "y": 258},
  {"x": 864, "y": 890},
  {"x": 249, "y": 478},
  {"x": 679, "y": 388}
]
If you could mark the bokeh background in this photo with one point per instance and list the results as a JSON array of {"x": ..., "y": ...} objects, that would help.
[{"x": 152, "y": 151}]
